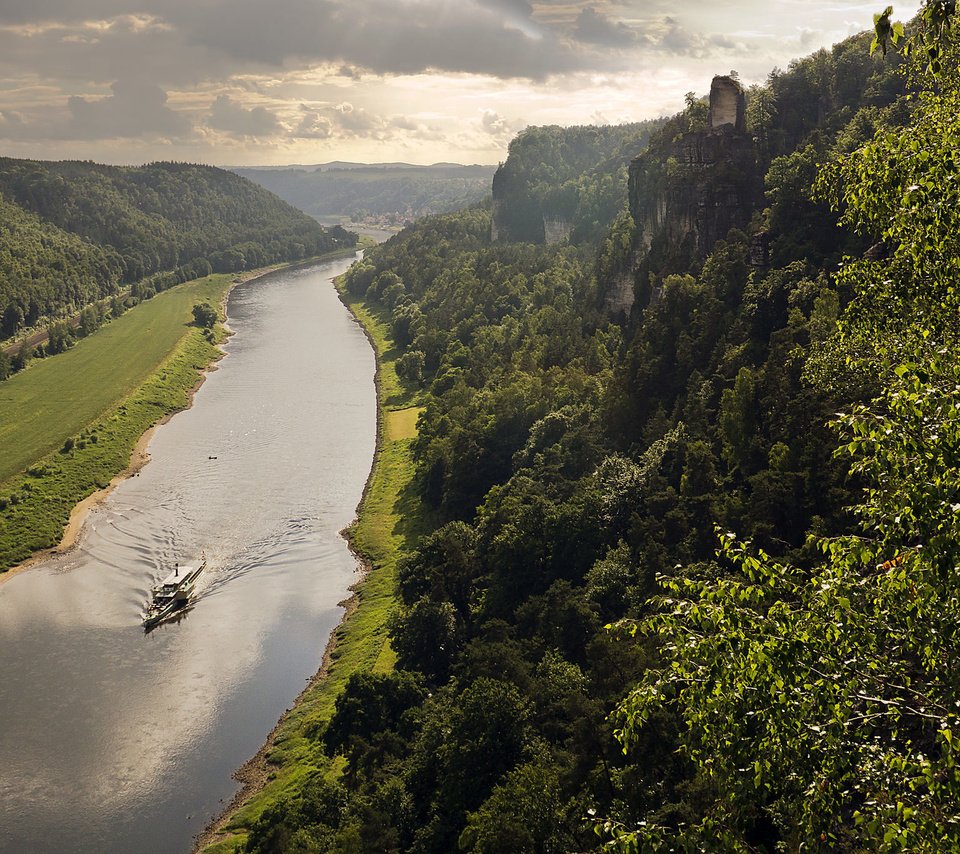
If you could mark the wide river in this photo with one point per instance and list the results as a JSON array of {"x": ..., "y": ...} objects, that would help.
[{"x": 113, "y": 740}]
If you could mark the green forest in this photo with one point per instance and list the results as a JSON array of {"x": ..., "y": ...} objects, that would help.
[
  {"x": 691, "y": 570},
  {"x": 73, "y": 233}
]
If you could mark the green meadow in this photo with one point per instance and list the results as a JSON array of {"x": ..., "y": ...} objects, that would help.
[
  {"x": 69, "y": 423},
  {"x": 58, "y": 396}
]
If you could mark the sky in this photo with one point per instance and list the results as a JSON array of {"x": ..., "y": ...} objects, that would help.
[{"x": 269, "y": 82}]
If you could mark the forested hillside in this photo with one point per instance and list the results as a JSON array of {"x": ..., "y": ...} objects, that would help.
[
  {"x": 692, "y": 582},
  {"x": 43, "y": 268},
  {"x": 73, "y": 232},
  {"x": 396, "y": 193},
  {"x": 565, "y": 182}
]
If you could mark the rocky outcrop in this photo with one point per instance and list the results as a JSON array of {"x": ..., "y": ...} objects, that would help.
[
  {"x": 727, "y": 104},
  {"x": 494, "y": 220},
  {"x": 760, "y": 250},
  {"x": 556, "y": 230},
  {"x": 620, "y": 295},
  {"x": 686, "y": 194}
]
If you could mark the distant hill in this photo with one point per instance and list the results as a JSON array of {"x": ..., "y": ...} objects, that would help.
[
  {"x": 73, "y": 232},
  {"x": 385, "y": 192}
]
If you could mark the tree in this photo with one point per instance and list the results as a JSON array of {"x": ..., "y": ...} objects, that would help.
[
  {"x": 205, "y": 315},
  {"x": 761, "y": 114},
  {"x": 59, "y": 337},
  {"x": 369, "y": 704},
  {"x": 89, "y": 321},
  {"x": 524, "y": 813},
  {"x": 818, "y": 706},
  {"x": 12, "y": 320},
  {"x": 22, "y": 357},
  {"x": 738, "y": 417},
  {"x": 410, "y": 367}
]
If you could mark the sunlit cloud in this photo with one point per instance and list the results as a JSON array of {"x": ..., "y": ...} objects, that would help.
[{"x": 308, "y": 80}]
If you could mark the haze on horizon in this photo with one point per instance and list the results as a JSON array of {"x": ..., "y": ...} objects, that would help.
[{"x": 245, "y": 82}]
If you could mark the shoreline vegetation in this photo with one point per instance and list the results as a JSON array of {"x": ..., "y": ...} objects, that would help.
[
  {"x": 389, "y": 522},
  {"x": 45, "y": 499}
]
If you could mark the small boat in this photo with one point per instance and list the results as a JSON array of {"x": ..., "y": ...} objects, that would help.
[{"x": 173, "y": 593}]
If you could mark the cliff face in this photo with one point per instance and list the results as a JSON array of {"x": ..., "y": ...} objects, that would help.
[
  {"x": 516, "y": 214},
  {"x": 556, "y": 230},
  {"x": 519, "y": 215},
  {"x": 687, "y": 194},
  {"x": 619, "y": 297}
]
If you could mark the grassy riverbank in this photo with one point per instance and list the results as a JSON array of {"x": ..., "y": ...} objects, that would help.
[
  {"x": 387, "y": 526},
  {"x": 69, "y": 423}
]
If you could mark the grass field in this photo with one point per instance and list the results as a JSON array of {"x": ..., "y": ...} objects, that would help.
[
  {"x": 57, "y": 397},
  {"x": 69, "y": 423},
  {"x": 389, "y": 524}
]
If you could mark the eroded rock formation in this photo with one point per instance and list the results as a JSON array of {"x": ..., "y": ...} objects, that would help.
[
  {"x": 727, "y": 104},
  {"x": 686, "y": 194},
  {"x": 556, "y": 230}
]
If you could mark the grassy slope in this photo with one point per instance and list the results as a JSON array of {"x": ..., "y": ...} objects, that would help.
[
  {"x": 104, "y": 394},
  {"x": 57, "y": 397},
  {"x": 388, "y": 525}
]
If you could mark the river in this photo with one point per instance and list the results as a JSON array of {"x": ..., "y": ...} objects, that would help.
[{"x": 113, "y": 740}]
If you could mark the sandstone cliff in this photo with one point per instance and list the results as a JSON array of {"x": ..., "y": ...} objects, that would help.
[{"x": 686, "y": 192}]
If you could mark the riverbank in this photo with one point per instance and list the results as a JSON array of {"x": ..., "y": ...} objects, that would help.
[
  {"x": 128, "y": 390},
  {"x": 387, "y": 525}
]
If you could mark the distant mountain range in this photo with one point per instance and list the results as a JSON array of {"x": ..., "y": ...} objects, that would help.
[
  {"x": 349, "y": 164},
  {"x": 378, "y": 193}
]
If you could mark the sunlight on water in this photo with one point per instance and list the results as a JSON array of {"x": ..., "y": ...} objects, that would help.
[{"x": 116, "y": 740}]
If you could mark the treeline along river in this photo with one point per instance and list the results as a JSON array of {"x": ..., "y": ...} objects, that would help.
[{"x": 116, "y": 740}]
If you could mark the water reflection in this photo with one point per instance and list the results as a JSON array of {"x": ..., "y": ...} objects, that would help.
[{"x": 116, "y": 740}]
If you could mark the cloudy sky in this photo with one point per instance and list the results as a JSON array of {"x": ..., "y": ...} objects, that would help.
[{"x": 246, "y": 82}]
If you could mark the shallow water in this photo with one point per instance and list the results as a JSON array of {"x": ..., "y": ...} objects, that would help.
[{"x": 113, "y": 740}]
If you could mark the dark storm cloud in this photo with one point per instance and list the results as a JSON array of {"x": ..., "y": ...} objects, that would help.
[
  {"x": 517, "y": 7},
  {"x": 495, "y": 37},
  {"x": 384, "y": 36},
  {"x": 101, "y": 51},
  {"x": 594, "y": 28},
  {"x": 34, "y": 11},
  {"x": 235, "y": 119}
]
